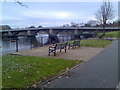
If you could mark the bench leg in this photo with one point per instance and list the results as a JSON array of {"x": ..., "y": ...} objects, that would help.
[
  {"x": 68, "y": 46},
  {"x": 65, "y": 49},
  {"x": 49, "y": 54},
  {"x": 54, "y": 53},
  {"x": 73, "y": 47},
  {"x": 60, "y": 50}
]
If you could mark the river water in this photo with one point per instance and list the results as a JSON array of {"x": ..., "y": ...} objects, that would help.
[{"x": 9, "y": 45}]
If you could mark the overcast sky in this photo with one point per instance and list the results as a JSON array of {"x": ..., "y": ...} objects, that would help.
[{"x": 49, "y": 13}]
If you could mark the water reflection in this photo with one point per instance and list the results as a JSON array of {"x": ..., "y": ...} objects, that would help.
[
  {"x": 42, "y": 38},
  {"x": 24, "y": 42}
]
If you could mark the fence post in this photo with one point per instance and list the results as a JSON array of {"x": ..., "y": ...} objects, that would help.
[
  {"x": 31, "y": 42},
  {"x": 41, "y": 41},
  {"x": 62, "y": 38},
  {"x": 67, "y": 38},
  {"x": 16, "y": 45}
]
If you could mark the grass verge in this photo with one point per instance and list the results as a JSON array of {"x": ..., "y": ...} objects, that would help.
[
  {"x": 114, "y": 34},
  {"x": 94, "y": 43},
  {"x": 24, "y": 71}
]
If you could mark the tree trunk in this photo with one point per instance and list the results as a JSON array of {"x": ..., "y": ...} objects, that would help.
[
  {"x": 103, "y": 29},
  {"x": 104, "y": 25}
]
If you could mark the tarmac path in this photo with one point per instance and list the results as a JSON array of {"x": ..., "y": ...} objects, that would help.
[{"x": 101, "y": 71}]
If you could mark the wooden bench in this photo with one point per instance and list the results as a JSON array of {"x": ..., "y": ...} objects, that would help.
[
  {"x": 74, "y": 44},
  {"x": 59, "y": 46}
]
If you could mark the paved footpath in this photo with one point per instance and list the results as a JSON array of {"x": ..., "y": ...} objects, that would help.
[{"x": 99, "y": 72}]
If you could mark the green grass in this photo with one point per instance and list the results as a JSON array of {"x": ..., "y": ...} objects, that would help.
[
  {"x": 24, "y": 71},
  {"x": 94, "y": 43},
  {"x": 114, "y": 34}
]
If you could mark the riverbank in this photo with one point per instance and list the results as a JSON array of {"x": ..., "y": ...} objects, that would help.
[
  {"x": 30, "y": 68},
  {"x": 34, "y": 65},
  {"x": 88, "y": 49}
]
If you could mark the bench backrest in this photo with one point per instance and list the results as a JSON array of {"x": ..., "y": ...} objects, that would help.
[
  {"x": 58, "y": 46},
  {"x": 61, "y": 45},
  {"x": 76, "y": 42}
]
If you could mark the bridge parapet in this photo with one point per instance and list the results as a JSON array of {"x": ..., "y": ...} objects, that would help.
[
  {"x": 55, "y": 30},
  {"x": 10, "y": 33},
  {"x": 31, "y": 33}
]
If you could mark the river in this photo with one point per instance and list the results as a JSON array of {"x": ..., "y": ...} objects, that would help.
[{"x": 9, "y": 45}]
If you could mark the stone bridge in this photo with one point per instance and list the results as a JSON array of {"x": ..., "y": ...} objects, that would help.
[{"x": 53, "y": 31}]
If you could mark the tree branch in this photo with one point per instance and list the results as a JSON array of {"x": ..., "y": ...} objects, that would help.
[{"x": 20, "y": 3}]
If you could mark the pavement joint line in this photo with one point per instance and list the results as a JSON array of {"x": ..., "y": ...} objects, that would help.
[{"x": 40, "y": 85}]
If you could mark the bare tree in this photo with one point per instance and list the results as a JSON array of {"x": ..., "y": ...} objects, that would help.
[
  {"x": 20, "y": 3},
  {"x": 104, "y": 14},
  {"x": 92, "y": 23},
  {"x": 74, "y": 24}
]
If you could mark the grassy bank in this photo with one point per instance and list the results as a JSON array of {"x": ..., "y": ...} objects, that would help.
[
  {"x": 24, "y": 71},
  {"x": 94, "y": 43},
  {"x": 114, "y": 34}
]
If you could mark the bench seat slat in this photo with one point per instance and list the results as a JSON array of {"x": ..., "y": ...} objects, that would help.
[
  {"x": 60, "y": 46},
  {"x": 74, "y": 44}
]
